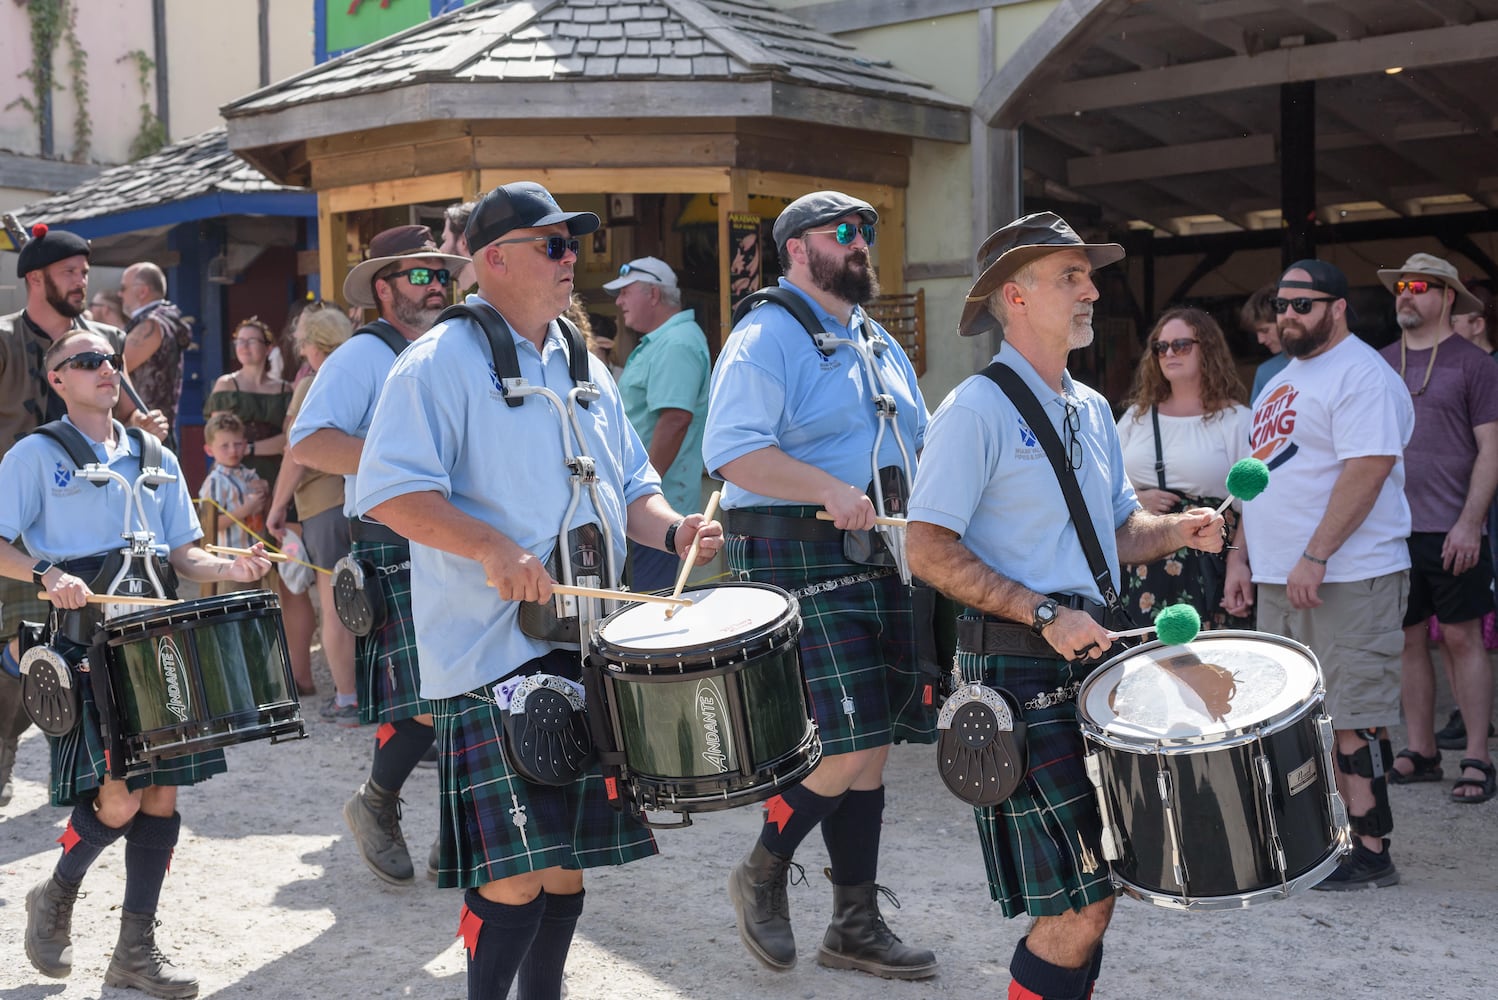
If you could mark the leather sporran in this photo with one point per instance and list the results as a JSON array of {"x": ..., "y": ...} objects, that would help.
[
  {"x": 49, "y": 691},
  {"x": 981, "y": 751},
  {"x": 547, "y": 740},
  {"x": 358, "y": 598}
]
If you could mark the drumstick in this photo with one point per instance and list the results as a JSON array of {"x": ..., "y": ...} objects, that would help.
[
  {"x": 155, "y": 602},
  {"x": 889, "y": 522},
  {"x": 229, "y": 550},
  {"x": 616, "y": 595},
  {"x": 686, "y": 567}
]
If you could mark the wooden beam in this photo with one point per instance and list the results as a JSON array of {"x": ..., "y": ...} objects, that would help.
[
  {"x": 642, "y": 149},
  {"x": 841, "y": 16},
  {"x": 387, "y": 194},
  {"x": 602, "y": 180},
  {"x": 781, "y": 185},
  {"x": 332, "y": 251},
  {"x": 1168, "y": 161},
  {"x": 1048, "y": 47},
  {"x": 930, "y": 270},
  {"x": 1411, "y": 49}
]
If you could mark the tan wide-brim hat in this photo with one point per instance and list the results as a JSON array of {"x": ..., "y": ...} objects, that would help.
[
  {"x": 1011, "y": 248},
  {"x": 1425, "y": 265},
  {"x": 400, "y": 243}
]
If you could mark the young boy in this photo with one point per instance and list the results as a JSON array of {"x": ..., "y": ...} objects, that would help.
[{"x": 235, "y": 487}]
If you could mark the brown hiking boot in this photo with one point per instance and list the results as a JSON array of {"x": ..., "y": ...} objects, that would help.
[
  {"x": 373, "y": 815},
  {"x": 139, "y": 964},
  {"x": 49, "y": 927}
]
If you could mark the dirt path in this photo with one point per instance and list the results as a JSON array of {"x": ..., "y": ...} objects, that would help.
[{"x": 267, "y": 898}]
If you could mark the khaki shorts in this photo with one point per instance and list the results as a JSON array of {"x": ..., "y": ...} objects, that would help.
[{"x": 1357, "y": 635}]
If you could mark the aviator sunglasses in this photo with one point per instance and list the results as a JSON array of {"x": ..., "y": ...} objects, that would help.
[
  {"x": 1180, "y": 347},
  {"x": 91, "y": 361},
  {"x": 424, "y": 275},
  {"x": 1301, "y": 305},
  {"x": 847, "y": 232},
  {"x": 557, "y": 247}
]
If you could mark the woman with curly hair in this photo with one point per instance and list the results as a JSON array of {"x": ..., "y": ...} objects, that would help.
[{"x": 1183, "y": 430}]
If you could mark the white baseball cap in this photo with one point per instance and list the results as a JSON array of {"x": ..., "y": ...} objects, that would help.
[{"x": 651, "y": 270}]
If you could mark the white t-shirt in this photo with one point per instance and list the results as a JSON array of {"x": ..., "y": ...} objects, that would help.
[
  {"x": 1198, "y": 451},
  {"x": 1310, "y": 419}
]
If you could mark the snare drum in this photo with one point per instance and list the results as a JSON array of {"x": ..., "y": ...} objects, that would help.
[
  {"x": 1212, "y": 763},
  {"x": 201, "y": 675},
  {"x": 708, "y": 708}
]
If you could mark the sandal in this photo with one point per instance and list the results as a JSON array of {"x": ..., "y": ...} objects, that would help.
[
  {"x": 1488, "y": 782},
  {"x": 1426, "y": 768}
]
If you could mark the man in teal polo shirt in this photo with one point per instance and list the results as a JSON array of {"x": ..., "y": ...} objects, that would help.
[{"x": 664, "y": 389}]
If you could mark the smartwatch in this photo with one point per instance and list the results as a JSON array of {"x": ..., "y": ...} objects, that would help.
[
  {"x": 1045, "y": 614},
  {"x": 40, "y": 570},
  {"x": 671, "y": 535}
]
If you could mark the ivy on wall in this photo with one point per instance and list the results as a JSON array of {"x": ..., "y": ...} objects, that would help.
[
  {"x": 152, "y": 134},
  {"x": 52, "y": 22}
]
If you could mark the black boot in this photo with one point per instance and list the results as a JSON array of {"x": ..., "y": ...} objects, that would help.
[
  {"x": 139, "y": 964},
  {"x": 373, "y": 816},
  {"x": 757, "y": 887},
  {"x": 858, "y": 938},
  {"x": 49, "y": 927}
]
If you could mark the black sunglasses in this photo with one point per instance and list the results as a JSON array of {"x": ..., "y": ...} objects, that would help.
[
  {"x": 557, "y": 247},
  {"x": 423, "y": 275},
  {"x": 1181, "y": 347},
  {"x": 1302, "y": 305},
  {"x": 847, "y": 232},
  {"x": 91, "y": 361}
]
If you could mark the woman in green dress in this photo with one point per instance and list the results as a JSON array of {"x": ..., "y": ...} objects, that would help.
[{"x": 260, "y": 401}]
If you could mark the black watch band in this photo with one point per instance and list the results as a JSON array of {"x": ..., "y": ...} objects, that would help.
[
  {"x": 40, "y": 570},
  {"x": 1044, "y": 614},
  {"x": 671, "y": 535}
]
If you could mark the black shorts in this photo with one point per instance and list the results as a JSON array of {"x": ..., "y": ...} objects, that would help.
[{"x": 1434, "y": 590}]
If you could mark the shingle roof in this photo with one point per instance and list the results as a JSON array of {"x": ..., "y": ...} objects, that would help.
[
  {"x": 200, "y": 165},
  {"x": 600, "y": 41}
]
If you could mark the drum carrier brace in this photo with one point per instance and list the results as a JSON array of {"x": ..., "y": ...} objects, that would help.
[
  {"x": 869, "y": 349},
  {"x": 514, "y": 388}
]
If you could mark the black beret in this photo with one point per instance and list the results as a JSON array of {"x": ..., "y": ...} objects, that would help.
[{"x": 48, "y": 246}]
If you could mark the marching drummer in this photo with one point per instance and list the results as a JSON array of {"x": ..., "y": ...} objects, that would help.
[
  {"x": 466, "y": 458},
  {"x": 73, "y": 526},
  {"x": 823, "y": 413},
  {"x": 987, "y": 528}
]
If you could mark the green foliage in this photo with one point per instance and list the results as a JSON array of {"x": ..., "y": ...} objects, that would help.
[
  {"x": 53, "y": 21},
  {"x": 152, "y": 134},
  {"x": 83, "y": 123}
]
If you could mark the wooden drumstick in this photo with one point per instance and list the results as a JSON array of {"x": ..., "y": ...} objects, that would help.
[
  {"x": 612, "y": 595},
  {"x": 686, "y": 566},
  {"x": 889, "y": 522},
  {"x": 229, "y": 550},
  {"x": 154, "y": 602}
]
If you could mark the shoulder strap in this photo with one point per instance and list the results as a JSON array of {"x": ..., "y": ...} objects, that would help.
[
  {"x": 785, "y": 299},
  {"x": 150, "y": 450},
  {"x": 1159, "y": 452},
  {"x": 389, "y": 334},
  {"x": 1009, "y": 381},
  {"x": 502, "y": 345},
  {"x": 81, "y": 453}
]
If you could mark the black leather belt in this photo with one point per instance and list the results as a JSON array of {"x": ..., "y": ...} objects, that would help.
[
  {"x": 989, "y": 635},
  {"x": 374, "y": 533},
  {"x": 796, "y": 529}
]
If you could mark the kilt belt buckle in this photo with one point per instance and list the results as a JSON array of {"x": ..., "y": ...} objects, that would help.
[{"x": 1050, "y": 699}]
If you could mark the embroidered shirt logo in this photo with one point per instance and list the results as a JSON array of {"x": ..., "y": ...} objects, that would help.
[
  {"x": 62, "y": 476},
  {"x": 494, "y": 380},
  {"x": 1029, "y": 448}
]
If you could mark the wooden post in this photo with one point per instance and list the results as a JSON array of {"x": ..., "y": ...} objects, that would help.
[
  {"x": 332, "y": 249},
  {"x": 735, "y": 200}
]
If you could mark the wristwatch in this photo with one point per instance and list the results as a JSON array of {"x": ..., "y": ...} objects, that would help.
[
  {"x": 40, "y": 570},
  {"x": 671, "y": 535},
  {"x": 1045, "y": 614}
]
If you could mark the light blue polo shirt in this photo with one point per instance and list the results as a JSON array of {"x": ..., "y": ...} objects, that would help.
[
  {"x": 343, "y": 396},
  {"x": 442, "y": 425},
  {"x": 669, "y": 370},
  {"x": 985, "y": 476},
  {"x": 772, "y": 387},
  {"x": 62, "y": 516}
]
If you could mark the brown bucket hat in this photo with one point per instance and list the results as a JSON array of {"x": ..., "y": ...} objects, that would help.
[
  {"x": 1011, "y": 248},
  {"x": 387, "y": 248},
  {"x": 1424, "y": 265}
]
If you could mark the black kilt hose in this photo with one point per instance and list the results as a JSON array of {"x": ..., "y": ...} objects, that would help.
[
  {"x": 858, "y": 645},
  {"x": 495, "y": 824},
  {"x": 1042, "y": 845}
]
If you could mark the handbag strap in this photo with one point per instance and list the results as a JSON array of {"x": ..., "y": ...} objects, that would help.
[
  {"x": 1009, "y": 381},
  {"x": 1159, "y": 453}
]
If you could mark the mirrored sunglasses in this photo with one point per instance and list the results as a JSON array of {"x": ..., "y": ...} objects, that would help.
[
  {"x": 632, "y": 268},
  {"x": 557, "y": 247},
  {"x": 847, "y": 232},
  {"x": 91, "y": 361},
  {"x": 1300, "y": 305},
  {"x": 1415, "y": 286},
  {"x": 424, "y": 275}
]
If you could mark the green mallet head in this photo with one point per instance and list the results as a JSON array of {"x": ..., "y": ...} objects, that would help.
[
  {"x": 1177, "y": 624},
  {"x": 1248, "y": 478}
]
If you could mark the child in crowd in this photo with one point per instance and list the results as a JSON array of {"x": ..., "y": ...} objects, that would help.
[{"x": 235, "y": 487}]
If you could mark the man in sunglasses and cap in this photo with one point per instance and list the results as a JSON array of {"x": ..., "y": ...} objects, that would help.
[
  {"x": 988, "y": 528},
  {"x": 1451, "y": 471},
  {"x": 799, "y": 421},
  {"x": 664, "y": 387},
  {"x": 406, "y": 279},
  {"x": 481, "y": 487},
  {"x": 1325, "y": 542}
]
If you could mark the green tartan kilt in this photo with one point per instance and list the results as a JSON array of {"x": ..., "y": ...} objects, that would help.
[
  {"x": 80, "y": 763},
  {"x": 1042, "y": 845},
  {"x": 857, "y": 648},
  {"x": 388, "y": 674},
  {"x": 494, "y": 824}
]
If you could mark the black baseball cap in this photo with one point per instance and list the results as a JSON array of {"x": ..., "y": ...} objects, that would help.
[
  {"x": 521, "y": 205},
  {"x": 1325, "y": 277}
]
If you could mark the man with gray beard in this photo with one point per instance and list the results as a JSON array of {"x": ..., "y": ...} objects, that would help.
[{"x": 1451, "y": 473}]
